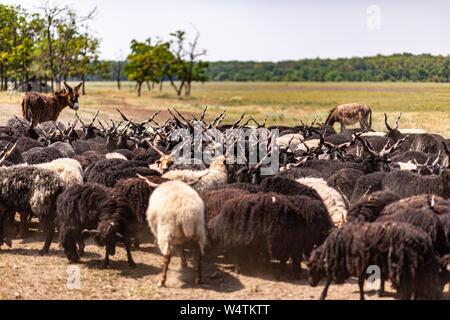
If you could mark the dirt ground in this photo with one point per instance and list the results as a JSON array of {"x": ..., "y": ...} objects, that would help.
[{"x": 24, "y": 274}]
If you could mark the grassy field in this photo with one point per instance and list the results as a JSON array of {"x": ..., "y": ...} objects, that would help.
[{"x": 424, "y": 105}]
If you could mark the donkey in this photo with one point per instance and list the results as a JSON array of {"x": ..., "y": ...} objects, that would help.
[
  {"x": 37, "y": 107},
  {"x": 348, "y": 114}
]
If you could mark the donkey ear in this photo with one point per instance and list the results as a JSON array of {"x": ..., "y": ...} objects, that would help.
[
  {"x": 77, "y": 88},
  {"x": 67, "y": 87}
]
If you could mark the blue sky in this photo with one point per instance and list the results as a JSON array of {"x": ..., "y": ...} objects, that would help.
[{"x": 264, "y": 30}]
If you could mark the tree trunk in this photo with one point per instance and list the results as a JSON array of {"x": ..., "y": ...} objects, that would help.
[
  {"x": 83, "y": 91},
  {"x": 148, "y": 86},
  {"x": 139, "y": 88},
  {"x": 160, "y": 85},
  {"x": 187, "y": 89}
]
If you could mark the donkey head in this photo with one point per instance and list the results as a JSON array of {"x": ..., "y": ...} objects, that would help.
[{"x": 70, "y": 95}]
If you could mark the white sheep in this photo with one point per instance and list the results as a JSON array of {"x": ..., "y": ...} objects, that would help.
[
  {"x": 215, "y": 175},
  {"x": 308, "y": 144},
  {"x": 294, "y": 138},
  {"x": 332, "y": 199},
  {"x": 412, "y": 131},
  {"x": 175, "y": 215},
  {"x": 115, "y": 155},
  {"x": 374, "y": 134},
  {"x": 69, "y": 170}
]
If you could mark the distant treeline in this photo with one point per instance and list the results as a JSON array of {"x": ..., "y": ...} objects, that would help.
[{"x": 396, "y": 67}]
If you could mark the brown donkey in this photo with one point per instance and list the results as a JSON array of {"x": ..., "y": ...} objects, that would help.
[
  {"x": 37, "y": 107},
  {"x": 348, "y": 114}
]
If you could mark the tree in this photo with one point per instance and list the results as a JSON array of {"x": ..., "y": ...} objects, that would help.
[
  {"x": 186, "y": 67},
  {"x": 85, "y": 58},
  {"x": 139, "y": 66},
  {"x": 195, "y": 70},
  {"x": 59, "y": 38}
]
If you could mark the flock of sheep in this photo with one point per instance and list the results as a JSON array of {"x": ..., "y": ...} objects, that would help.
[{"x": 339, "y": 203}]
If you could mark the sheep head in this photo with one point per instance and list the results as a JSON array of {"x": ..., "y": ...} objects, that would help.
[{"x": 219, "y": 163}]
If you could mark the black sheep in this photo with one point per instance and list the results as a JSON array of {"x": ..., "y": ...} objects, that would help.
[
  {"x": 429, "y": 202},
  {"x": 24, "y": 144},
  {"x": 109, "y": 171},
  {"x": 137, "y": 193},
  {"x": 424, "y": 220},
  {"x": 269, "y": 224},
  {"x": 28, "y": 189},
  {"x": 367, "y": 184},
  {"x": 90, "y": 209},
  {"x": 445, "y": 220},
  {"x": 89, "y": 157},
  {"x": 344, "y": 181},
  {"x": 214, "y": 200},
  {"x": 403, "y": 253},
  {"x": 369, "y": 207},
  {"x": 41, "y": 155},
  {"x": 287, "y": 186},
  {"x": 297, "y": 173}
]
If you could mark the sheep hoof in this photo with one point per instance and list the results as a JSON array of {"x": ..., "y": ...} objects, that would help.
[
  {"x": 197, "y": 281},
  {"x": 161, "y": 284},
  {"x": 43, "y": 252}
]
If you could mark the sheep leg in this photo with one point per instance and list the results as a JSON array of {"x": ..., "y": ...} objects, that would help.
[
  {"x": 381, "y": 290},
  {"x": 199, "y": 265},
  {"x": 184, "y": 264},
  {"x": 136, "y": 243},
  {"x": 325, "y": 290},
  {"x": 106, "y": 262},
  {"x": 3, "y": 239},
  {"x": 296, "y": 267},
  {"x": 282, "y": 269},
  {"x": 166, "y": 261},
  {"x": 49, "y": 229},
  {"x": 127, "y": 242},
  {"x": 23, "y": 224},
  {"x": 361, "y": 288},
  {"x": 81, "y": 247}
]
